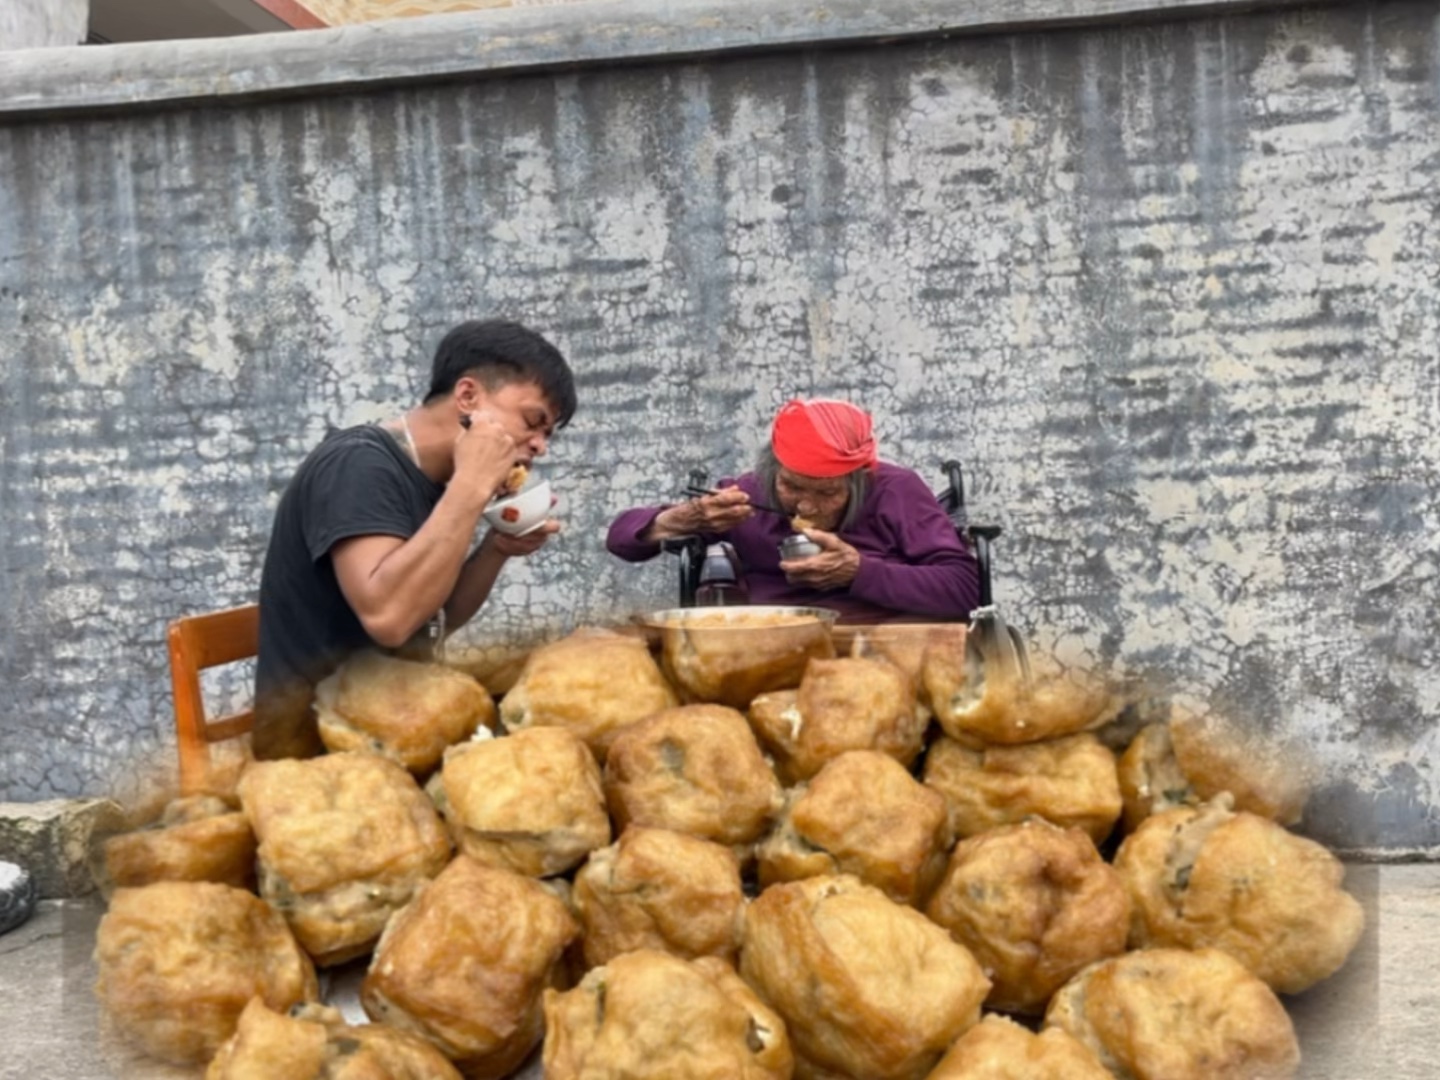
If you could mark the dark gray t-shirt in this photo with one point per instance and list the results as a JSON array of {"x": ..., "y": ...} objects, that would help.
[{"x": 358, "y": 482}]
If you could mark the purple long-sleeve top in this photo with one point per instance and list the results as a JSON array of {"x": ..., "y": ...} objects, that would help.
[{"x": 912, "y": 562}]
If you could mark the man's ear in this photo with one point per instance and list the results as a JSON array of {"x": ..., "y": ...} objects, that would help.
[{"x": 469, "y": 394}]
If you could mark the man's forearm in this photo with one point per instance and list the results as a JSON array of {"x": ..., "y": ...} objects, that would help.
[{"x": 477, "y": 578}]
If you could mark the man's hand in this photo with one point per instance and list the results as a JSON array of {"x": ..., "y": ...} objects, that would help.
[
  {"x": 717, "y": 513},
  {"x": 520, "y": 546},
  {"x": 484, "y": 453},
  {"x": 834, "y": 568}
]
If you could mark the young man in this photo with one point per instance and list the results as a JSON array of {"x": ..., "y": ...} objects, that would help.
[{"x": 372, "y": 542}]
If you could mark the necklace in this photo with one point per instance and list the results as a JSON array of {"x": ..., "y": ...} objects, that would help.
[{"x": 409, "y": 439}]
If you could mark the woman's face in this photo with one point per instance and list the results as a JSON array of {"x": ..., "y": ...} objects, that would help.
[{"x": 819, "y": 500}]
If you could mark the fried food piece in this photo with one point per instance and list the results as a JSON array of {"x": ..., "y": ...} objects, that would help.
[
  {"x": 696, "y": 769},
  {"x": 465, "y": 964},
  {"x": 981, "y": 700},
  {"x": 800, "y": 523},
  {"x": 529, "y": 802},
  {"x": 1243, "y": 884},
  {"x": 844, "y": 704},
  {"x": 906, "y": 645},
  {"x": 1151, "y": 780},
  {"x": 1069, "y": 781},
  {"x": 345, "y": 840},
  {"x": 648, "y": 1015},
  {"x": 867, "y": 987},
  {"x": 997, "y": 1048},
  {"x": 730, "y": 656},
  {"x": 1173, "y": 1014},
  {"x": 1265, "y": 777},
  {"x": 403, "y": 710},
  {"x": 593, "y": 682},
  {"x": 862, "y": 814},
  {"x": 198, "y": 838},
  {"x": 314, "y": 1043},
  {"x": 658, "y": 889},
  {"x": 1034, "y": 903},
  {"x": 178, "y": 960},
  {"x": 515, "y": 479}
]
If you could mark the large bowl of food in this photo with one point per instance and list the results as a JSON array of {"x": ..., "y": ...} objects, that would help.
[{"x": 730, "y": 655}]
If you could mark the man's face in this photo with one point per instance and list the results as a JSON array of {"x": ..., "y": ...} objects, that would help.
[
  {"x": 819, "y": 500},
  {"x": 521, "y": 408}
]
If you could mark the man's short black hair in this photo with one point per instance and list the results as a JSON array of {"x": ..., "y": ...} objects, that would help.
[{"x": 499, "y": 353}]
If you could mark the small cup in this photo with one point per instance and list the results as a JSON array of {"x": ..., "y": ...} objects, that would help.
[
  {"x": 522, "y": 513},
  {"x": 798, "y": 546}
]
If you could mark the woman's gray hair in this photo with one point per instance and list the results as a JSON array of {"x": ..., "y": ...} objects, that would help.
[{"x": 857, "y": 485}]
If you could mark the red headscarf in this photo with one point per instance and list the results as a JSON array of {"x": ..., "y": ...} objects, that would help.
[{"x": 823, "y": 438}]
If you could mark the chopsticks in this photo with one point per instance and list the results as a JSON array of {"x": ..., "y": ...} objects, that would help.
[{"x": 692, "y": 490}]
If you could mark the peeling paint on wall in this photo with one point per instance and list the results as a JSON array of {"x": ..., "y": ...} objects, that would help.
[{"x": 1170, "y": 291}]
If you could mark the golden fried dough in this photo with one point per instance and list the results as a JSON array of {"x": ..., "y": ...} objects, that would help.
[
  {"x": 1069, "y": 781},
  {"x": 1173, "y": 1014},
  {"x": 659, "y": 889},
  {"x": 198, "y": 838},
  {"x": 1034, "y": 903},
  {"x": 867, "y": 987},
  {"x": 1000, "y": 1049},
  {"x": 529, "y": 802},
  {"x": 730, "y": 656},
  {"x": 979, "y": 700},
  {"x": 844, "y": 704},
  {"x": 345, "y": 840},
  {"x": 404, "y": 710},
  {"x": 593, "y": 682},
  {"x": 906, "y": 644},
  {"x": 1151, "y": 781},
  {"x": 1264, "y": 776},
  {"x": 648, "y": 1015},
  {"x": 315, "y": 1043},
  {"x": 464, "y": 965},
  {"x": 178, "y": 960},
  {"x": 696, "y": 769},
  {"x": 1242, "y": 884},
  {"x": 862, "y": 814}
]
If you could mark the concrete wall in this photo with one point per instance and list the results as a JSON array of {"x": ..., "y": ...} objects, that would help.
[
  {"x": 29, "y": 24},
  {"x": 1171, "y": 288}
]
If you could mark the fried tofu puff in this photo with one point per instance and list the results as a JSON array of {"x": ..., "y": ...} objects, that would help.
[
  {"x": 178, "y": 960},
  {"x": 1151, "y": 780},
  {"x": 314, "y": 1042},
  {"x": 840, "y": 705},
  {"x": 1070, "y": 782},
  {"x": 403, "y": 710},
  {"x": 695, "y": 769},
  {"x": 1174, "y": 1014},
  {"x": 592, "y": 682},
  {"x": 862, "y": 814},
  {"x": 529, "y": 802},
  {"x": 345, "y": 840},
  {"x": 1000, "y": 1049},
  {"x": 649, "y": 1015},
  {"x": 1271, "y": 779},
  {"x": 198, "y": 838},
  {"x": 1034, "y": 903},
  {"x": 906, "y": 645},
  {"x": 1243, "y": 884},
  {"x": 867, "y": 987},
  {"x": 658, "y": 889},
  {"x": 731, "y": 656},
  {"x": 981, "y": 701},
  {"x": 465, "y": 964}
]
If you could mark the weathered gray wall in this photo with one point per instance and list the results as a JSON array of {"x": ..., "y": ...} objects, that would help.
[
  {"x": 29, "y": 24},
  {"x": 1172, "y": 290}
]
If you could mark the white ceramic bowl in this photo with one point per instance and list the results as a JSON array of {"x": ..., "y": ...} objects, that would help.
[{"x": 519, "y": 514}]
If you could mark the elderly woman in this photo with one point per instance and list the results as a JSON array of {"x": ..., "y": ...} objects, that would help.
[{"x": 887, "y": 550}]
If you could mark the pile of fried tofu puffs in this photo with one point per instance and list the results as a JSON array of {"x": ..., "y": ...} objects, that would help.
[{"x": 907, "y": 862}]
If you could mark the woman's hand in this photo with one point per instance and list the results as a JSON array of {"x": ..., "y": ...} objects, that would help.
[
  {"x": 834, "y": 568},
  {"x": 717, "y": 513}
]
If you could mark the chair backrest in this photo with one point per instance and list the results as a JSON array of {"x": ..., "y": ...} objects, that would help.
[{"x": 198, "y": 642}]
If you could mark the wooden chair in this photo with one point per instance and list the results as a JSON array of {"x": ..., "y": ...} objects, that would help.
[{"x": 198, "y": 642}]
